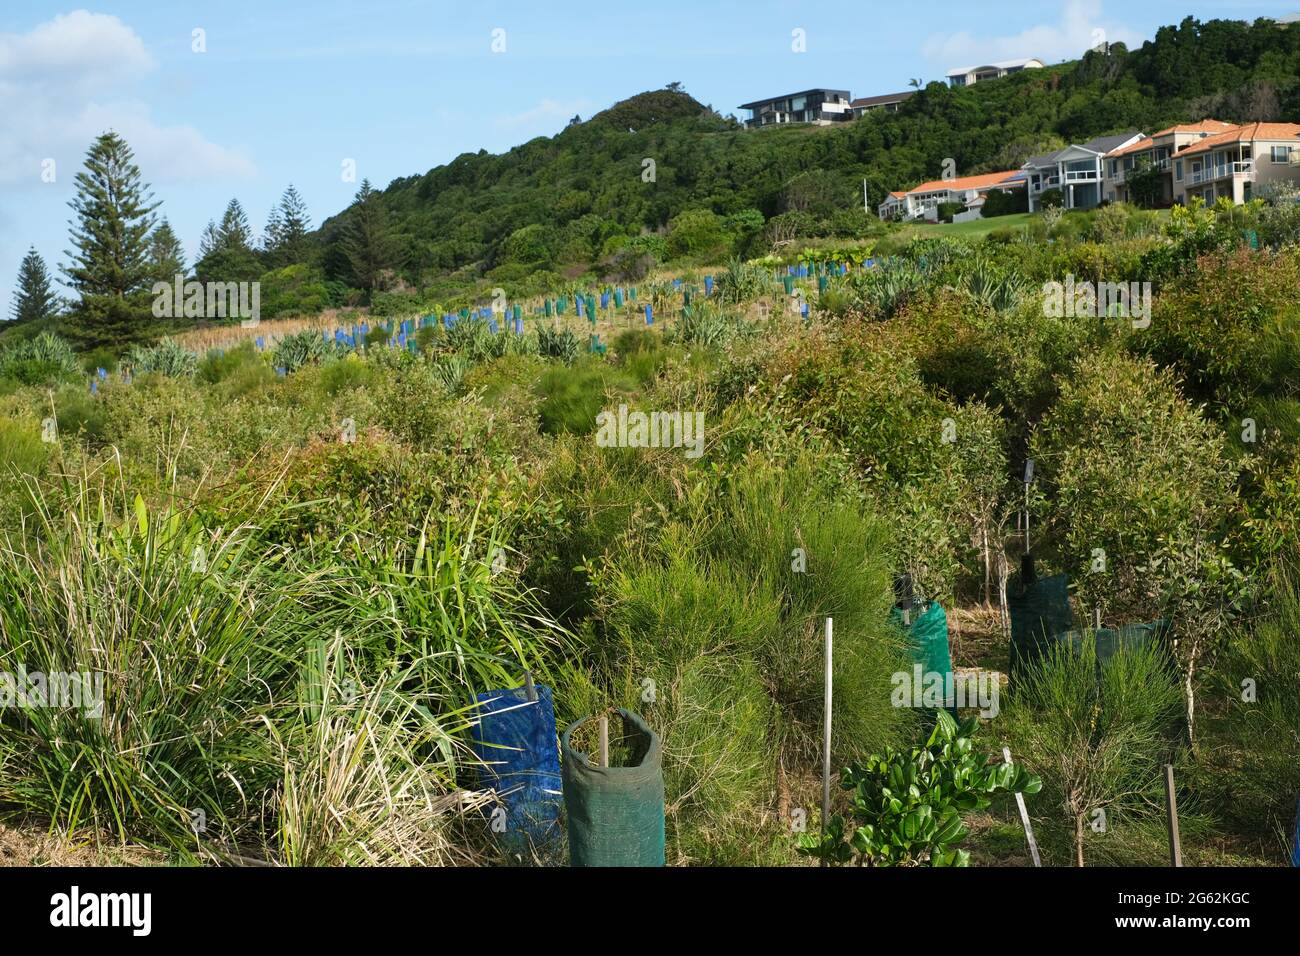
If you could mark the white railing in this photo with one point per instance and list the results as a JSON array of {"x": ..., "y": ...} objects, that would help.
[
  {"x": 1075, "y": 175},
  {"x": 1223, "y": 170}
]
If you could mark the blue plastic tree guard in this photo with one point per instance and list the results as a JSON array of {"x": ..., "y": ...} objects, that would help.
[{"x": 517, "y": 741}]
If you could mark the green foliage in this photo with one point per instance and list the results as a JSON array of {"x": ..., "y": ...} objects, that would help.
[
  {"x": 1136, "y": 472},
  {"x": 1263, "y": 721},
  {"x": 297, "y": 289},
  {"x": 907, "y": 805},
  {"x": 307, "y": 347},
  {"x": 166, "y": 358},
  {"x": 573, "y": 395},
  {"x": 560, "y": 344},
  {"x": 1231, "y": 328},
  {"x": 698, "y": 234},
  {"x": 43, "y": 360},
  {"x": 1098, "y": 736},
  {"x": 1004, "y": 202},
  {"x": 34, "y": 299}
]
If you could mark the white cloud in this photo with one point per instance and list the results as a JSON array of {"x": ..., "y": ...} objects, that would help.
[
  {"x": 545, "y": 114},
  {"x": 1066, "y": 40},
  {"x": 73, "y": 77}
]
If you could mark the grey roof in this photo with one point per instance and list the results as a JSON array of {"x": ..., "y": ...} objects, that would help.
[
  {"x": 1098, "y": 144},
  {"x": 879, "y": 100},
  {"x": 1104, "y": 144}
]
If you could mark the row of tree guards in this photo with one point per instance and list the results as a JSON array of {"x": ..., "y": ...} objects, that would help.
[{"x": 510, "y": 317}]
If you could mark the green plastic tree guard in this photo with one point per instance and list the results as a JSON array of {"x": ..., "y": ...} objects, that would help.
[{"x": 615, "y": 814}]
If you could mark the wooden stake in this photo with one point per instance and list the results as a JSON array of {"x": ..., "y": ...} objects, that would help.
[
  {"x": 1024, "y": 816},
  {"x": 604, "y": 740},
  {"x": 1171, "y": 802},
  {"x": 530, "y": 689},
  {"x": 826, "y": 741}
]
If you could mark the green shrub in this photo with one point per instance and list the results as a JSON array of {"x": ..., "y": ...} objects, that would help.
[
  {"x": 907, "y": 806},
  {"x": 1098, "y": 736},
  {"x": 1140, "y": 484},
  {"x": 728, "y": 605},
  {"x": 166, "y": 358},
  {"x": 45, "y": 359},
  {"x": 573, "y": 395},
  {"x": 307, "y": 347}
]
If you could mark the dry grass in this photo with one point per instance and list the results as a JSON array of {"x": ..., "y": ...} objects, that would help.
[{"x": 32, "y": 845}]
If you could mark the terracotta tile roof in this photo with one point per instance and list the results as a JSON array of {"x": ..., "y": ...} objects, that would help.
[
  {"x": 1008, "y": 178},
  {"x": 1245, "y": 134},
  {"x": 1204, "y": 126}
]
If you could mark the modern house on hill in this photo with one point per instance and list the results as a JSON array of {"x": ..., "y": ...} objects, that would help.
[
  {"x": 970, "y": 75},
  {"x": 923, "y": 201},
  {"x": 889, "y": 102},
  {"x": 819, "y": 106},
  {"x": 1078, "y": 171}
]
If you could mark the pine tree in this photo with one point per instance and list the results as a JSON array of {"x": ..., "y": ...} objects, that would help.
[
  {"x": 114, "y": 218},
  {"x": 209, "y": 241},
  {"x": 166, "y": 255},
  {"x": 271, "y": 235},
  {"x": 295, "y": 223},
  {"x": 285, "y": 237},
  {"x": 226, "y": 252},
  {"x": 35, "y": 299},
  {"x": 369, "y": 243},
  {"x": 234, "y": 232}
]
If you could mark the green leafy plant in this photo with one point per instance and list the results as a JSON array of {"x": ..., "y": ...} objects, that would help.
[{"x": 907, "y": 805}]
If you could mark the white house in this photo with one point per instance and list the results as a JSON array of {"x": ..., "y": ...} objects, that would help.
[
  {"x": 923, "y": 201},
  {"x": 1078, "y": 171},
  {"x": 970, "y": 75}
]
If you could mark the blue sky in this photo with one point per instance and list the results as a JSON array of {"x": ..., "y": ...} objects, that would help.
[{"x": 289, "y": 89}]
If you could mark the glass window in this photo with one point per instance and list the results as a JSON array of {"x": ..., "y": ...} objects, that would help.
[
  {"x": 1279, "y": 154},
  {"x": 1178, "y": 170}
]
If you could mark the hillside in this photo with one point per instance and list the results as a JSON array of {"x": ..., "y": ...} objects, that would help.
[{"x": 569, "y": 201}]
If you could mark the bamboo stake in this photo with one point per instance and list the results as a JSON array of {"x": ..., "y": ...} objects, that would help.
[
  {"x": 826, "y": 741},
  {"x": 1024, "y": 816},
  {"x": 1171, "y": 803},
  {"x": 604, "y": 740}
]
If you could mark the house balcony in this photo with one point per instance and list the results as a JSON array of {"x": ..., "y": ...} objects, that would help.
[
  {"x": 1224, "y": 170},
  {"x": 1082, "y": 176},
  {"x": 1052, "y": 182}
]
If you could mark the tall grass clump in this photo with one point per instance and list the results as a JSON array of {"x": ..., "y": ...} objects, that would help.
[
  {"x": 189, "y": 631},
  {"x": 369, "y": 771},
  {"x": 1098, "y": 735}
]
